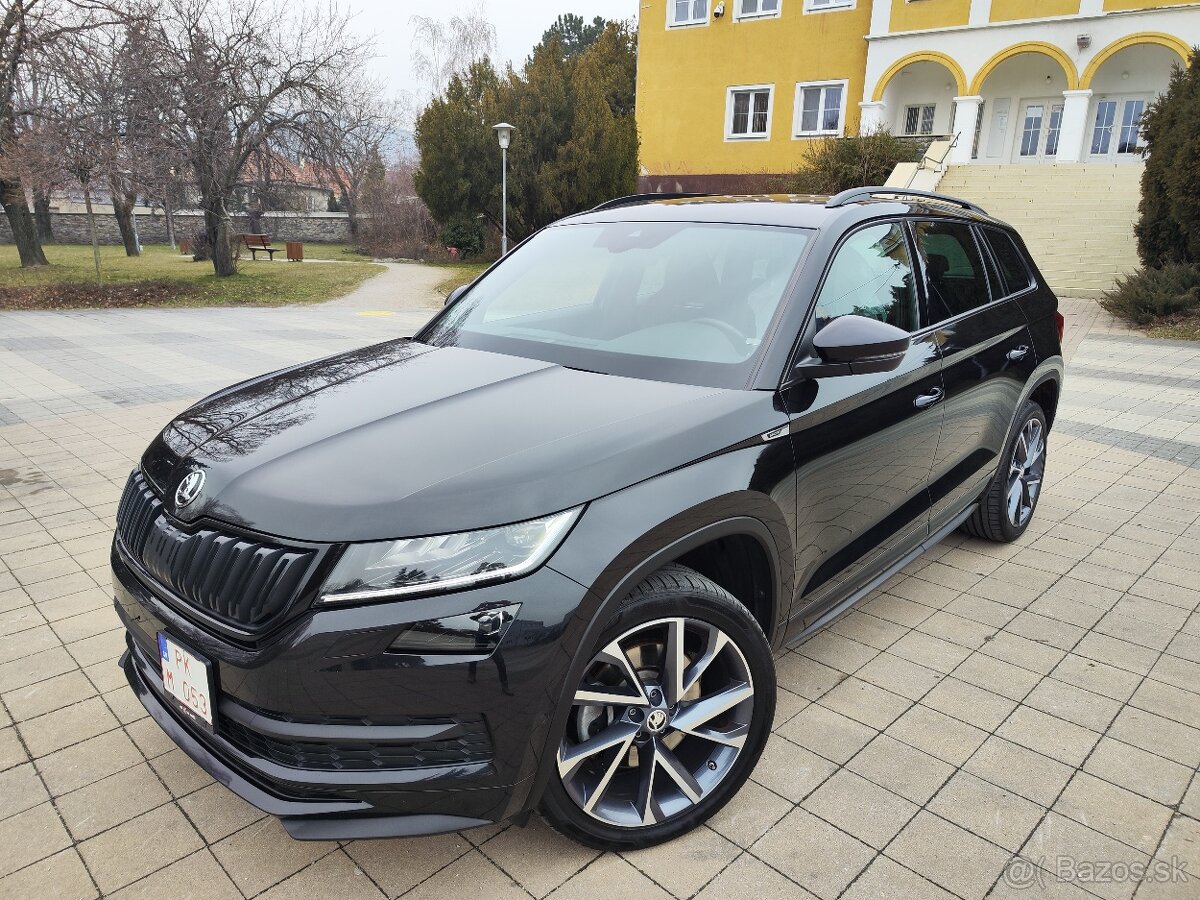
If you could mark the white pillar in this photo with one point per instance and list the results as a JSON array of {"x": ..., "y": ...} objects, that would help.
[
  {"x": 881, "y": 17},
  {"x": 1073, "y": 130},
  {"x": 871, "y": 116},
  {"x": 981, "y": 12},
  {"x": 966, "y": 117}
]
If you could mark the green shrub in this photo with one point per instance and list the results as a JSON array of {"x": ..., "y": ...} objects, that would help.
[
  {"x": 836, "y": 164},
  {"x": 1151, "y": 294},
  {"x": 465, "y": 233}
]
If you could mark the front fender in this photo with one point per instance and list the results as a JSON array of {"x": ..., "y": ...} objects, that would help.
[{"x": 744, "y": 492}]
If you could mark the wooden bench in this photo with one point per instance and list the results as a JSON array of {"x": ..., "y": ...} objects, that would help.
[{"x": 257, "y": 243}]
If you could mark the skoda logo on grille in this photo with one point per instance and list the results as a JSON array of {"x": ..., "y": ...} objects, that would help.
[{"x": 189, "y": 488}]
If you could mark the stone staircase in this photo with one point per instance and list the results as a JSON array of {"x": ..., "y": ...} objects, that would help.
[{"x": 1076, "y": 219}]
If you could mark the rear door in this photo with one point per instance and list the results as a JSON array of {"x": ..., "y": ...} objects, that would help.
[
  {"x": 863, "y": 444},
  {"x": 987, "y": 356}
]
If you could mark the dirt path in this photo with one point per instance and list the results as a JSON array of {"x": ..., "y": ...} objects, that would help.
[{"x": 404, "y": 286}]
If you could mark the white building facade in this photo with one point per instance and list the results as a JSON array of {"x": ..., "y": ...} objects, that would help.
[{"x": 1063, "y": 88}]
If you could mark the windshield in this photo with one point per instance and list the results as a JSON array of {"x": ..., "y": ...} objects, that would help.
[{"x": 672, "y": 301}]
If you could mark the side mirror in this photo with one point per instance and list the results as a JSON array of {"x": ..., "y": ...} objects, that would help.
[
  {"x": 854, "y": 345},
  {"x": 456, "y": 293}
]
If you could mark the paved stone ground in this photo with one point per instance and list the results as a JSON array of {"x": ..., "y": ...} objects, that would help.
[{"x": 991, "y": 717}]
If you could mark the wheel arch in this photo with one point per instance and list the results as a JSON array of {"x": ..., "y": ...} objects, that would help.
[
  {"x": 740, "y": 516},
  {"x": 1045, "y": 382},
  {"x": 703, "y": 549},
  {"x": 1045, "y": 393}
]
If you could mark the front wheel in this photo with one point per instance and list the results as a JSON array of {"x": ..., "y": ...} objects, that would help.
[
  {"x": 1006, "y": 509},
  {"x": 670, "y": 716}
]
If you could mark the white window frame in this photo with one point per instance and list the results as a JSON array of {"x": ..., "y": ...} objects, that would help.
[
  {"x": 798, "y": 109},
  {"x": 739, "y": 88},
  {"x": 754, "y": 17},
  {"x": 831, "y": 6},
  {"x": 691, "y": 23}
]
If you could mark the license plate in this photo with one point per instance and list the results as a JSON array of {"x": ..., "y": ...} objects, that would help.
[{"x": 188, "y": 678}]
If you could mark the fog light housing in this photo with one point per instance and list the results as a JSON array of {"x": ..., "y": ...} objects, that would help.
[{"x": 475, "y": 634}]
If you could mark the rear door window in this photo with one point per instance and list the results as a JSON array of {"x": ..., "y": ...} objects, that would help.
[
  {"x": 955, "y": 278},
  {"x": 1014, "y": 274}
]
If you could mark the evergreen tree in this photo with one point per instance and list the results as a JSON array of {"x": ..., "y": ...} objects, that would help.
[
  {"x": 1168, "y": 227},
  {"x": 573, "y": 35},
  {"x": 459, "y": 158},
  {"x": 575, "y": 142}
]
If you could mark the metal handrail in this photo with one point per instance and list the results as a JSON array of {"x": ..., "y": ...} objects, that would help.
[{"x": 939, "y": 162}]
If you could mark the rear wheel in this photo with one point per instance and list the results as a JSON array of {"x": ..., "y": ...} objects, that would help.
[
  {"x": 669, "y": 718},
  {"x": 1006, "y": 509}
]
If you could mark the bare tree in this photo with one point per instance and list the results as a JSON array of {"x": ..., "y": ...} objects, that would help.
[
  {"x": 37, "y": 163},
  {"x": 396, "y": 223},
  {"x": 89, "y": 116},
  {"x": 347, "y": 138},
  {"x": 30, "y": 29},
  {"x": 19, "y": 34},
  {"x": 441, "y": 49},
  {"x": 235, "y": 76}
]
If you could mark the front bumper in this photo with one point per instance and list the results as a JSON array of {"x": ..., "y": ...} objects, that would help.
[{"x": 390, "y": 744}]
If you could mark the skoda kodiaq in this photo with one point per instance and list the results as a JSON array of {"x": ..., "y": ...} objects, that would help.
[{"x": 540, "y": 555}]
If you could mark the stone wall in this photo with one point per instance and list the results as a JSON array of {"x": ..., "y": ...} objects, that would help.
[{"x": 73, "y": 228}]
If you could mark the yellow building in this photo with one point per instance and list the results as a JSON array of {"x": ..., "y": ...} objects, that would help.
[{"x": 733, "y": 90}]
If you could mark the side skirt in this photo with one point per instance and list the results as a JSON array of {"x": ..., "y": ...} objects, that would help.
[{"x": 834, "y": 611}]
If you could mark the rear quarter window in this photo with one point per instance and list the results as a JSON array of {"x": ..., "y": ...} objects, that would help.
[{"x": 1014, "y": 273}]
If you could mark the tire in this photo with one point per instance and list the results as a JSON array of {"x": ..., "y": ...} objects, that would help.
[
  {"x": 994, "y": 519},
  {"x": 644, "y": 632}
]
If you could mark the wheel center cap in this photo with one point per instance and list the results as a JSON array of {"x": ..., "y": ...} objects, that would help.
[{"x": 656, "y": 721}]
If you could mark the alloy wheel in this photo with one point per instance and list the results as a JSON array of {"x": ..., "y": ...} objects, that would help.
[
  {"x": 657, "y": 722},
  {"x": 1025, "y": 472}
]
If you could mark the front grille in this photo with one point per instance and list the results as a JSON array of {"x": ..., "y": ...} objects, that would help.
[
  {"x": 240, "y": 582},
  {"x": 472, "y": 745}
]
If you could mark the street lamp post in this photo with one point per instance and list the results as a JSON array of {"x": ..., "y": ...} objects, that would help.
[{"x": 504, "y": 136}]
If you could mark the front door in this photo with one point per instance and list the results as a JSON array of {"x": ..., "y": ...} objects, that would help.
[
  {"x": 1117, "y": 129},
  {"x": 863, "y": 444},
  {"x": 1041, "y": 122}
]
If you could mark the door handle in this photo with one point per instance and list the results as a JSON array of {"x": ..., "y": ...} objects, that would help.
[
  {"x": 924, "y": 401},
  {"x": 1016, "y": 354}
]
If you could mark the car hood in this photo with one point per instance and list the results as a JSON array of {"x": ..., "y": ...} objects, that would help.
[{"x": 403, "y": 439}]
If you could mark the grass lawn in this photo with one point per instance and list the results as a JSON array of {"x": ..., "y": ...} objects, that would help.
[
  {"x": 164, "y": 277},
  {"x": 458, "y": 274}
]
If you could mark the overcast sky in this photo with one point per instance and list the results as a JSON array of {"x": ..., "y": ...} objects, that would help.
[{"x": 518, "y": 26}]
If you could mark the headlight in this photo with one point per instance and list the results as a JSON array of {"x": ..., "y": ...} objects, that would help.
[{"x": 445, "y": 563}]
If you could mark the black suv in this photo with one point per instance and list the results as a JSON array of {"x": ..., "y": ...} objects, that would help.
[{"x": 540, "y": 554}]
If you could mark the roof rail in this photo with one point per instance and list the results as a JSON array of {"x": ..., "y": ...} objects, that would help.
[
  {"x": 866, "y": 193},
  {"x": 642, "y": 198}
]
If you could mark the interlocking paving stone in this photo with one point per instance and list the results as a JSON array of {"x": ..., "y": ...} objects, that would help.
[{"x": 920, "y": 740}]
